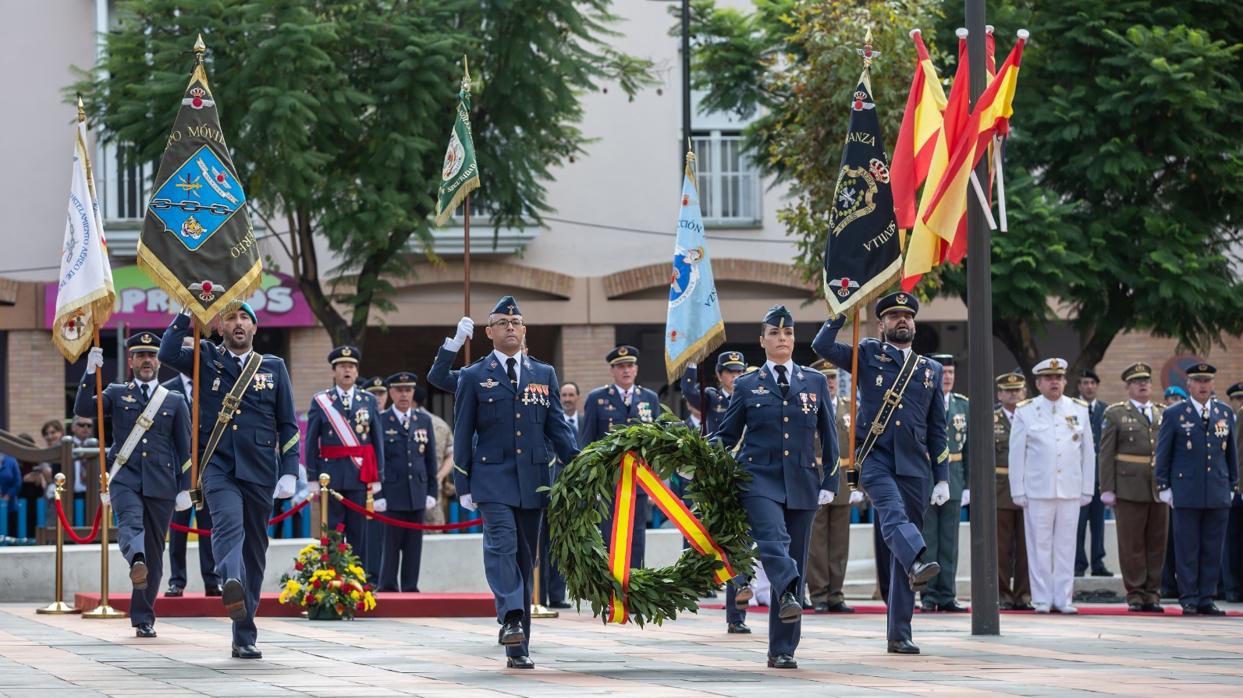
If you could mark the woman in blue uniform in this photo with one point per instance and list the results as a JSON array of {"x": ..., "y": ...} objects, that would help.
[{"x": 777, "y": 412}]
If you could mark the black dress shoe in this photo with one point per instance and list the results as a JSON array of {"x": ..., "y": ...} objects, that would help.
[
  {"x": 739, "y": 628},
  {"x": 903, "y": 647},
  {"x": 246, "y": 651},
  {"x": 1102, "y": 572},
  {"x": 234, "y": 598},
  {"x": 782, "y": 661},
  {"x": 1190, "y": 611},
  {"x": 927, "y": 607},
  {"x": 921, "y": 573},
  {"x": 742, "y": 597},
  {"x": 1135, "y": 607},
  {"x": 560, "y": 604},
  {"x": 840, "y": 607},
  {"x": 820, "y": 607},
  {"x": 791, "y": 610},
  {"x": 512, "y": 633},
  {"x": 522, "y": 661},
  {"x": 1210, "y": 610},
  {"x": 138, "y": 575},
  {"x": 144, "y": 630},
  {"x": 174, "y": 592},
  {"x": 952, "y": 607},
  {"x": 1005, "y": 606},
  {"x": 213, "y": 591},
  {"x": 1024, "y": 606},
  {"x": 1152, "y": 608}
]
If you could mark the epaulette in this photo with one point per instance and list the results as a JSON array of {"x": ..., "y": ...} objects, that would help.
[
  {"x": 1024, "y": 402},
  {"x": 961, "y": 396},
  {"x": 1122, "y": 404},
  {"x": 534, "y": 360},
  {"x": 1081, "y": 403},
  {"x": 480, "y": 359}
]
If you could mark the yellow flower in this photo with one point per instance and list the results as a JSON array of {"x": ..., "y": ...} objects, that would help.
[
  {"x": 292, "y": 586},
  {"x": 355, "y": 595}
]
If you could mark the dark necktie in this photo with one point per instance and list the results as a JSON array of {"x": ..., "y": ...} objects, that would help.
[
  {"x": 783, "y": 381},
  {"x": 145, "y": 395},
  {"x": 1147, "y": 415},
  {"x": 512, "y": 372},
  {"x": 241, "y": 365}
]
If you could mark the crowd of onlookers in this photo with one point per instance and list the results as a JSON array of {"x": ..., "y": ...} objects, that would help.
[{"x": 33, "y": 482}]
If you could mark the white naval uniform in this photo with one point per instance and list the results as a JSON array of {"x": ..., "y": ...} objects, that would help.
[{"x": 1052, "y": 463}]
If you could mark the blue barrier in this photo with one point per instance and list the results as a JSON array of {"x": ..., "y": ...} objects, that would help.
[
  {"x": 4, "y": 519},
  {"x": 79, "y": 512},
  {"x": 22, "y": 509},
  {"x": 287, "y": 524},
  {"x": 40, "y": 512}
]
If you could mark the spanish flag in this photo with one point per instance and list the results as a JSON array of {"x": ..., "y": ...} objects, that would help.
[{"x": 917, "y": 139}]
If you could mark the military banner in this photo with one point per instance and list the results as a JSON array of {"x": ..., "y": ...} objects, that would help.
[
  {"x": 862, "y": 253},
  {"x": 84, "y": 293},
  {"x": 460, "y": 174},
  {"x": 197, "y": 242},
  {"x": 693, "y": 325}
]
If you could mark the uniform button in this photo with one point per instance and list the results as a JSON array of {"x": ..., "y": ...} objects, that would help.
[
  {"x": 787, "y": 434},
  {"x": 144, "y": 454},
  {"x": 237, "y": 412},
  {"x": 517, "y": 415},
  {"x": 785, "y": 402},
  {"x": 144, "y": 441},
  {"x": 518, "y": 433},
  {"x": 899, "y": 422},
  {"x": 900, "y": 406},
  {"x": 785, "y": 419},
  {"x": 519, "y": 451},
  {"x": 234, "y": 427},
  {"x": 785, "y": 453}
]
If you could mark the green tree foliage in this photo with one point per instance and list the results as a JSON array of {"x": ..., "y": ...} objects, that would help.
[
  {"x": 1124, "y": 170},
  {"x": 338, "y": 114}
]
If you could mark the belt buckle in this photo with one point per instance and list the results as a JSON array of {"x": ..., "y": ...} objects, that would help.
[{"x": 145, "y": 422}]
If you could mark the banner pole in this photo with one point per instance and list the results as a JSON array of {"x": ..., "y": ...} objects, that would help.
[
  {"x": 103, "y": 610},
  {"x": 852, "y": 468},
  {"x": 196, "y": 495},
  {"x": 466, "y": 265}
]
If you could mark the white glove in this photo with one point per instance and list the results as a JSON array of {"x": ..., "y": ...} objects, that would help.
[
  {"x": 312, "y": 487},
  {"x": 430, "y": 502},
  {"x": 380, "y": 505},
  {"x": 1167, "y": 496},
  {"x": 467, "y": 502},
  {"x": 1085, "y": 499},
  {"x": 825, "y": 497},
  {"x": 966, "y": 498},
  {"x": 285, "y": 487},
  {"x": 1109, "y": 498},
  {"x": 374, "y": 487},
  {"x": 104, "y": 499},
  {"x": 1021, "y": 501},
  {"x": 856, "y": 496},
  {"x": 94, "y": 360},
  {"x": 465, "y": 329},
  {"x": 183, "y": 501},
  {"x": 940, "y": 493},
  {"x": 686, "y": 476}
]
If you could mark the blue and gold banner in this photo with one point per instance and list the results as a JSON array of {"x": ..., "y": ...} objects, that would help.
[{"x": 694, "y": 326}]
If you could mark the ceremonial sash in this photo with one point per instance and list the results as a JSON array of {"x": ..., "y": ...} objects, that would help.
[
  {"x": 893, "y": 396},
  {"x": 145, "y": 422},
  {"x": 636, "y": 472},
  {"x": 362, "y": 456}
]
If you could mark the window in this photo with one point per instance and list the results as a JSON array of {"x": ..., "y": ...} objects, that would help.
[
  {"x": 124, "y": 182},
  {"x": 729, "y": 184}
]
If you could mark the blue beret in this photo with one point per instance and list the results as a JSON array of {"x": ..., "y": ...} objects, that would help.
[
  {"x": 506, "y": 306},
  {"x": 1174, "y": 390},
  {"x": 778, "y": 316}
]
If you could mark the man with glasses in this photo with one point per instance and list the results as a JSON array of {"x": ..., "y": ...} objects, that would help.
[{"x": 83, "y": 429}]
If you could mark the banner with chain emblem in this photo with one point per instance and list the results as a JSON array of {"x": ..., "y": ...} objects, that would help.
[
  {"x": 460, "y": 174},
  {"x": 197, "y": 242},
  {"x": 862, "y": 252}
]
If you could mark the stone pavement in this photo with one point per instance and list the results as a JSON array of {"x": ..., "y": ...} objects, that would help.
[{"x": 50, "y": 656}]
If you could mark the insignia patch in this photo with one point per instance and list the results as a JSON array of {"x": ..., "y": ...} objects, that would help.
[
  {"x": 761, "y": 390},
  {"x": 490, "y": 383},
  {"x": 883, "y": 358},
  {"x": 198, "y": 199},
  {"x": 128, "y": 398},
  {"x": 391, "y": 432},
  {"x": 880, "y": 380}
]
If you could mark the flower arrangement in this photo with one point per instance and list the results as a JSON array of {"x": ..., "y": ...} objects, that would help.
[{"x": 327, "y": 580}]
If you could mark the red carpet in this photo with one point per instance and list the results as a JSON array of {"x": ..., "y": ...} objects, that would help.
[
  {"x": 388, "y": 605},
  {"x": 1084, "y": 610}
]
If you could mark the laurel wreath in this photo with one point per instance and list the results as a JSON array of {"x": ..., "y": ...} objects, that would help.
[{"x": 582, "y": 497}]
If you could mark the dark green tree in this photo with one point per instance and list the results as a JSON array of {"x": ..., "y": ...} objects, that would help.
[{"x": 338, "y": 114}]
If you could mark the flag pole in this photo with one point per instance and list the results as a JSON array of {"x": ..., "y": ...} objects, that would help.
[
  {"x": 466, "y": 264},
  {"x": 852, "y": 468},
  {"x": 196, "y": 495},
  {"x": 103, "y": 610}
]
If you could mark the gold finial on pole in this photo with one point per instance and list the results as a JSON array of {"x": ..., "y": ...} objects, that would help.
[
  {"x": 199, "y": 49},
  {"x": 324, "y": 479},
  {"x": 81, "y": 110},
  {"x": 465, "y": 74},
  {"x": 58, "y": 606},
  {"x": 867, "y": 52}
]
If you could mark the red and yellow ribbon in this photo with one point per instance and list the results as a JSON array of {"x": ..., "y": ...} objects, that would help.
[{"x": 634, "y": 470}]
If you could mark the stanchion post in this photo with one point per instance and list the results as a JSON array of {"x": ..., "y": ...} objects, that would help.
[
  {"x": 58, "y": 605},
  {"x": 324, "y": 480},
  {"x": 539, "y": 610}
]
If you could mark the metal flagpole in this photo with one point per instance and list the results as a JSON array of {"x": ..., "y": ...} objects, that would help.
[
  {"x": 985, "y": 615},
  {"x": 103, "y": 610},
  {"x": 466, "y": 265},
  {"x": 852, "y": 468},
  {"x": 196, "y": 495}
]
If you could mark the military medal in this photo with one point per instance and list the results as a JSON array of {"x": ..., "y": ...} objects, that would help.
[
  {"x": 215, "y": 385},
  {"x": 360, "y": 422},
  {"x": 645, "y": 412},
  {"x": 806, "y": 403},
  {"x": 879, "y": 380}
]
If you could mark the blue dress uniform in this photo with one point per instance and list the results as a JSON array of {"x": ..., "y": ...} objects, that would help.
[
  {"x": 605, "y": 409},
  {"x": 778, "y": 428},
  {"x": 177, "y": 574},
  {"x": 143, "y": 490},
  {"x": 896, "y": 473},
  {"x": 374, "y": 535},
  {"x": 409, "y": 479},
  {"x": 358, "y": 408},
  {"x": 1197, "y": 469},
  {"x": 442, "y": 374},
  {"x": 259, "y": 446},
  {"x": 501, "y": 439}
]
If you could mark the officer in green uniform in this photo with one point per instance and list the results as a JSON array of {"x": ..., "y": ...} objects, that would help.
[
  {"x": 1013, "y": 584},
  {"x": 941, "y": 521}
]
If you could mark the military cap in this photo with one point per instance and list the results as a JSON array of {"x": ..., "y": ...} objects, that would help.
[
  {"x": 374, "y": 385},
  {"x": 344, "y": 354},
  {"x": 143, "y": 341},
  {"x": 895, "y": 302},
  {"x": 1136, "y": 371},
  {"x": 506, "y": 306},
  {"x": 778, "y": 316},
  {"x": 1202, "y": 371},
  {"x": 403, "y": 379},
  {"x": 1089, "y": 374},
  {"x": 730, "y": 361},
  {"x": 1010, "y": 381},
  {"x": 244, "y": 307},
  {"x": 1175, "y": 391},
  {"x": 623, "y": 354},
  {"x": 1050, "y": 367},
  {"x": 943, "y": 359},
  {"x": 1235, "y": 390},
  {"x": 823, "y": 366}
]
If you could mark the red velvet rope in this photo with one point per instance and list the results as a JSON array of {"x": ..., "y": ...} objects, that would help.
[
  {"x": 274, "y": 520},
  {"x": 408, "y": 524},
  {"x": 68, "y": 527}
]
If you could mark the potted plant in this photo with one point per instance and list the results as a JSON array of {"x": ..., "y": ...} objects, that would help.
[{"x": 328, "y": 580}]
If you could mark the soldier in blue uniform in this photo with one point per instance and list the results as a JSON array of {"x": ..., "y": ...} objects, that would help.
[
  {"x": 777, "y": 413},
  {"x": 907, "y": 456},
  {"x": 409, "y": 481},
  {"x": 377, "y": 387},
  {"x": 149, "y": 466},
  {"x": 729, "y": 365},
  {"x": 617, "y": 405},
  {"x": 441, "y": 374},
  {"x": 342, "y": 432},
  {"x": 507, "y": 415},
  {"x": 1198, "y": 433},
  {"x": 177, "y": 540},
  {"x": 255, "y": 461}
]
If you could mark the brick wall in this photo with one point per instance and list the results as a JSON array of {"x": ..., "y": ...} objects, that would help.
[
  {"x": 581, "y": 355},
  {"x": 308, "y": 364},
  {"x": 1160, "y": 353},
  {"x": 36, "y": 381}
]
